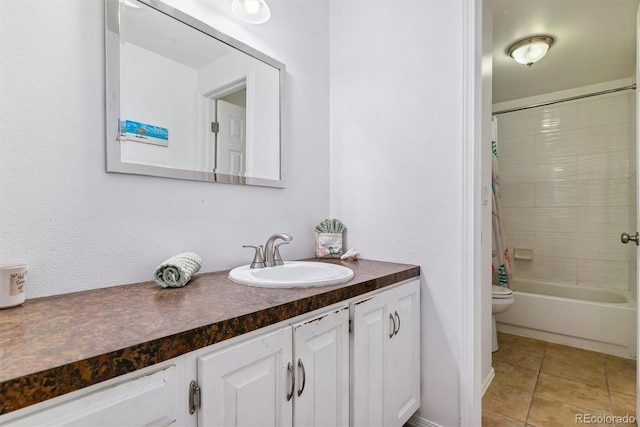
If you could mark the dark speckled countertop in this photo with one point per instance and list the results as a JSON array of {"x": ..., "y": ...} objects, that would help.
[{"x": 55, "y": 345}]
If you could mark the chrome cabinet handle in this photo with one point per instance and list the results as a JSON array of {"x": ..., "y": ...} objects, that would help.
[
  {"x": 393, "y": 328},
  {"x": 194, "y": 397},
  {"x": 293, "y": 381},
  {"x": 304, "y": 376},
  {"x": 625, "y": 238},
  {"x": 398, "y": 319}
]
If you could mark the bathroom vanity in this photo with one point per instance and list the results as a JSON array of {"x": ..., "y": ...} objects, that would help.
[{"x": 218, "y": 353}]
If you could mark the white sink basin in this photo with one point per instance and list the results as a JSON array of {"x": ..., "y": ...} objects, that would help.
[{"x": 293, "y": 274}]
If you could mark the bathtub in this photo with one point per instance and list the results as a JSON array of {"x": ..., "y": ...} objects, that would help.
[{"x": 602, "y": 320}]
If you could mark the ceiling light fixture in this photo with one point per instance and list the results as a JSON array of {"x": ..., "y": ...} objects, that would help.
[
  {"x": 530, "y": 50},
  {"x": 251, "y": 11},
  {"x": 130, "y": 4}
]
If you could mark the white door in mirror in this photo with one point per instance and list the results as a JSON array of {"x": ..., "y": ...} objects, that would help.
[
  {"x": 231, "y": 144},
  {"x": 292, "y": 274}
]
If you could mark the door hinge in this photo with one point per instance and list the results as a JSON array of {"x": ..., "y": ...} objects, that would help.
[
  {"x": 215, "y": 127},
  {"x": 349, "y": 325},
  {"x": 194, "y": 397}
]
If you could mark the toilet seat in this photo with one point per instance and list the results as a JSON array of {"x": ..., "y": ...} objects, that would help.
[
  {"x": 501, "y": 299},
  {"x": 501, "y": 292}
]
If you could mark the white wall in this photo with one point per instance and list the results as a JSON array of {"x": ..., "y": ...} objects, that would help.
[
  {"x": 162, "y": 95},
  {"x": 396, "y": 162},
  {"x": 565, "y": 187},
  {"x": 78, "y": 227}
]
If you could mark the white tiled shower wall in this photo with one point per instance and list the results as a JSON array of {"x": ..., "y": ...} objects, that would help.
[{"x": 567, "y": 183}]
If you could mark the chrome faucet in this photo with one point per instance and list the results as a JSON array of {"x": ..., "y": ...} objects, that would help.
[{"x": 272, "y": 256}]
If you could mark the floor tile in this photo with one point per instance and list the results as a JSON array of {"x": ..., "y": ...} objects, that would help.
[
  {"x": 507, "y": 374},
  {"x": 574, "y": 363},
  {"x": 491, "y": 419},
  {"x": 540, "y": 384},
  {"x": 530, "y": 344},
  {"x": 520, "y": 351},
  {"x": 623, "y": 404},
  {"x": 508, "y": 401},
  {"x": 510, "y": 391},
  {"x": 621, "y": 374},
  {"x": 573, "y": 392},
  {"x": 580, "y": 354},
  {"x": 552, "y": 413}
]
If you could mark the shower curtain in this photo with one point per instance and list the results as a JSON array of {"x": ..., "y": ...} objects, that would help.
[{"x": 501, "y": 262}]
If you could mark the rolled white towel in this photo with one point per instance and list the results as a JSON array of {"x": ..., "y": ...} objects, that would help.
[{"x": 177, "y": 270}]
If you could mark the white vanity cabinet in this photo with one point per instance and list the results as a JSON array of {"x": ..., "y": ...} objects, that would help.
[
  {"x": 356, "y": 362},
  {"x": 296, "y": 375},
  {"x": 385, "y": 356}
]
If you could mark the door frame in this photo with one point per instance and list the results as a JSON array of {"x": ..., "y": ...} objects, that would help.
[
  {"x": 207, "y": 111},
  {"x": 637, "y": 139},
  {"x": 471, "y": 345},
  {"x": 470, "y": 364}
]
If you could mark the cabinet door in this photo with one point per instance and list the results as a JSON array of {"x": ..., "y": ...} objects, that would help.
[
  {"x": 247, "y": 384},
  {"x": 139, "y": 400},
  {"x": 403, "y": 369},
  {"x": 321, "y": 350},
  {"x": 385, "y": 358},
  {"x": 371, "y": 327}
]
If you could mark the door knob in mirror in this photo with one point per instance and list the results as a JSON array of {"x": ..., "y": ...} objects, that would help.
[{"x": 625, "y": 238}]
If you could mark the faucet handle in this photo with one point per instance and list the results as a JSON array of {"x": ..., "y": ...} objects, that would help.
[
  {"x": 277, "y": 259},
  {"x": 258, "y": 260}
]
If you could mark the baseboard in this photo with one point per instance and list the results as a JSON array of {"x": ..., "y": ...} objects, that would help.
[
  {"x": 416, "y": 421},
  {"x": 628, "y": 352},
  {"x": 487, "y": 381}
]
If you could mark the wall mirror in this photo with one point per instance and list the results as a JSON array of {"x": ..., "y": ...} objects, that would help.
[{"x": 186, "y": 101}]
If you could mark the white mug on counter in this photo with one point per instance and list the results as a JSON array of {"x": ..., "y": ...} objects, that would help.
[{"x": 13, "y": 278}]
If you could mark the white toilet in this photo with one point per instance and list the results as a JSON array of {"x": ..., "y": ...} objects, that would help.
[{"x": 501, "y": 300}]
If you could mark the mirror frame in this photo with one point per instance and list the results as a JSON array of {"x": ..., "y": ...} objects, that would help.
[{"x": 112, "y": 66}]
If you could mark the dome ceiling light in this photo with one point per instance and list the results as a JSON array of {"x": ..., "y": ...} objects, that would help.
[
  {"x": 530, "y": 50},
  {"x": 251, "y": 11}
]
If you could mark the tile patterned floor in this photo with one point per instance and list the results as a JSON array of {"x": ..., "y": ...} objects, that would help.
[{"x": 544, "y": 384}]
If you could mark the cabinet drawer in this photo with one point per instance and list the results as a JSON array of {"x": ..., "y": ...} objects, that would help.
[{"x": 150, "y": 399}]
